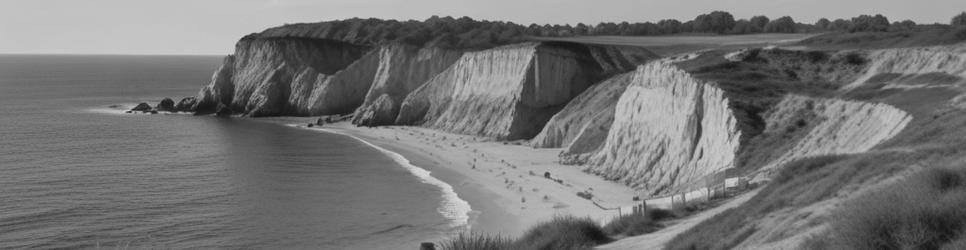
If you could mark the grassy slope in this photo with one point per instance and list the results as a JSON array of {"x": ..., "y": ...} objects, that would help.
[
  {"x": 923, "y": 36},
  {"x": 671, "y": 45},
  {"x": 934, "y": 138}
]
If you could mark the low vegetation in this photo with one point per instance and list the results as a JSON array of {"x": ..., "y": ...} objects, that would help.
[
  {"x": 638, "y": 224},
  {"x": 924, "y": 211},
  {"x": 476, "y": 242},
  {"x": 465, "y": 32},
  {"x": 924, "y": 35},
  {"x": 565, "y": 233},
  {"x": 800, "y": 183}
]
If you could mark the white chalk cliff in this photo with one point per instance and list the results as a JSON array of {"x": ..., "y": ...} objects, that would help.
[
  {"x": 669, "y": 130},
  {"x": 507, "y": 92},
  {"x": 844, "y": 127},
  {"x": 582, "y": 125},
  {"x": 402, "y": 69},
  {"x": 288, "y": 76},
  {"x": 949, "y": 60}
]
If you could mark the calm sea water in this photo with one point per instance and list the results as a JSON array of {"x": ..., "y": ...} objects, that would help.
[{"x": 75, "y": 174}]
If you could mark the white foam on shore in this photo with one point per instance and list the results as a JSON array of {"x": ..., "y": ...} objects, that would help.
[{"x": 452, "y": 207}]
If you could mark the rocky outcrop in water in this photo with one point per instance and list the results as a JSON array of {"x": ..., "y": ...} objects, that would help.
[
  {"x": 166, "y": 104},
  {"x": 142, "y": 107},
  {"x": 186, "y": 104}
]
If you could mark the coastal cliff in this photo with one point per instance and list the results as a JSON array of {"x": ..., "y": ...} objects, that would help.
[
  {"x": 510, "y": 92},
  {"x": 669, "y": 130},
  {"x": 582, "y": 125},
  {"x": 277, "y": 76},
  {"x": 402, "y": 69}
]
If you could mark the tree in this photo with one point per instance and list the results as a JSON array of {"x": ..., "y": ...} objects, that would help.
[
  {"x": 823, "y": 24},
  {"x": 863, "y": 23},
  {"x": 744, "y": 27},
  {"x": 959, "y": 20},
  {"x": 784, "y": 24},
  {"x": 717, "y": 21},
  {"x": 840, "y": 25},
  {"x": 759, "y": 22},
  {"x": 669, "y": 26},
  {"x": 903, "y": 26},
  {"x": 581, "y": 29},
  {"x": 606, "y": 29}
]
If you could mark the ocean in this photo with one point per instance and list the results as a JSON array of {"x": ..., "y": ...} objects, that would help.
[{"x": 76, "y": 173}]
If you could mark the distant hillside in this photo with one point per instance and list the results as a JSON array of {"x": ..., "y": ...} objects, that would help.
[
  {"x": 931, "y": 35},
  {"x": 467, "y": 33}
]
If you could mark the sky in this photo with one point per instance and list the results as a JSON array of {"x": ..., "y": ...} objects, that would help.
[{"x": 213, "y": 26}]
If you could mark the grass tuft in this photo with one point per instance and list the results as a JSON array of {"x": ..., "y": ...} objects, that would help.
[
  {"x": 476, "y": 242},
  {"x": 637, "y": 224},
  {"x": 564, "y": 233}
]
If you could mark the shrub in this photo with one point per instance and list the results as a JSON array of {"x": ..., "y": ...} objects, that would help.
[
  {"x": 922, "y": 212},
  {"x": 563, "y": 233},
  {"x": 476, "y": 242},
  {"x": 959, "y": 20}
]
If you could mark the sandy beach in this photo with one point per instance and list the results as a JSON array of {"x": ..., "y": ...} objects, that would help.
[{"x": 504, "y": 183}]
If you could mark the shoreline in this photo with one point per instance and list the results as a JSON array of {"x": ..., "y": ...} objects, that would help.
[{"x": 503, "y": 183}]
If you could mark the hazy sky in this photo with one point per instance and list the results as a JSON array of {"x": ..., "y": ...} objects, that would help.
[{"x": 213, "y": 26}]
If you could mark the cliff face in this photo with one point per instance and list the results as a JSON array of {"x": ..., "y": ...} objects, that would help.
[
  {"x": 592, "y": 109},
  {"x": 669, "y": 130},
  {"x": 508, "y": 92},
  {"x": 844, "y": 127},
  {"x": 276, "y": 76},
  {"x": 949, "y": 60},
  {"x": 401, "y": 70}
]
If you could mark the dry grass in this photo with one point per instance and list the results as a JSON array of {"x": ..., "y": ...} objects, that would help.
[
  {"x": 684, "y": 43},
  {"x": 564, "y": 233},
  {"x": 637, "y": 224},
  {"x": 476, "y": 242},
  {"x": 922, "y": 212},
  {"x": 924, "y": 36}
]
